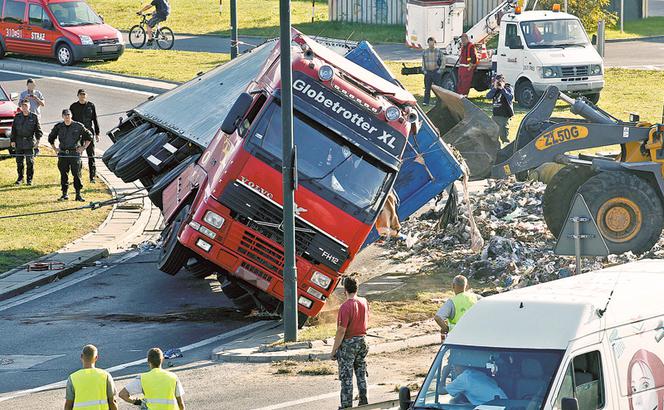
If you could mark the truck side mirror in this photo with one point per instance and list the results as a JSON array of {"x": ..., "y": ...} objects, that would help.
[
  {"x": 404, "y": 398},
  {"x": 593, "y": 40},
  {"x": 516, "y": 44},
  {"x": 569, "y": 403},
  {"x": 236, "y": 113}
]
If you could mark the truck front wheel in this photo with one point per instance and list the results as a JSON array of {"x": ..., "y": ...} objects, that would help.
[
  {"x": 526, "y": 95},
  {"x": 173, "y": 254},
  {"x": 627, "y": 210}
]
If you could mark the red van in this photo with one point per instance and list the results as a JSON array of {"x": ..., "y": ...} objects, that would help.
[{"x": 68, "y": 30}]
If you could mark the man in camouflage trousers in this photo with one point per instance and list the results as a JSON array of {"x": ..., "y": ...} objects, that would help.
[{"x": 350, "y": 347}]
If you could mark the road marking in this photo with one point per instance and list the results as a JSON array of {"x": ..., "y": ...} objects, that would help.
[
  {"x": 111, "y": 87},
  {"x": 309, "y": 399},
  {"x": 256, "y": 326},
  {"x": 65, "y": 284},
  {"x": 23, "y": 362}
]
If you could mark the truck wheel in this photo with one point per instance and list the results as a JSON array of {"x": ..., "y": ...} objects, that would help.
[
  {"x": 526, "y": 95},
  {"x": 117, "y": 157},
  {"x": 173, "y": 254},
  {"x": 627, "y": 210},
  {"x": 200, "y": 268},
  {"x": 133, "y": 165},
  {"x": 64, "y": 55},
  {"x": 449, "y": 81},
  {"x": 164, "y": 180},
  {"x": 123, "y": 140},
  {"x": 559, "y": 193},
  {"x": 593, "y": 98}
]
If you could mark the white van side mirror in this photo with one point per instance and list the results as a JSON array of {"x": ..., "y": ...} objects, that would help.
[{"x": 569, "y": 403}]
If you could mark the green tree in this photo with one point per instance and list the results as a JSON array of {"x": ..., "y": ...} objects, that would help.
[{"x": 588, "y": 11}]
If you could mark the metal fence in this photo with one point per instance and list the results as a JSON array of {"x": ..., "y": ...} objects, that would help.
[
  {"x": 368, "y": 11},
  {"x": 477, "y": 9}
]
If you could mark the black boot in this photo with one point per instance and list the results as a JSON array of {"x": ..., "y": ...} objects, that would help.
[
  {"x": 19, "y": 181},
  {"x": 79, "y": 198},
  {"x": 64, "y": 197}
]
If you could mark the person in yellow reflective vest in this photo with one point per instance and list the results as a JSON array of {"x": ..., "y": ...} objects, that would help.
[
  {"x": 90, "y": 388},
  {"x": 454, "y": 308},
  {"x": 161, "y": 389}
]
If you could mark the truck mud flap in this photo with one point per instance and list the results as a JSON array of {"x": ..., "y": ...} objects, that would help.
[{"x": 467, "y": 128}]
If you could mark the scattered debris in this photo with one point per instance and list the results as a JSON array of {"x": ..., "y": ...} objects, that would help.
[
  {"x": 172, "y": 354},
  {"x": 517, "y": 245}
]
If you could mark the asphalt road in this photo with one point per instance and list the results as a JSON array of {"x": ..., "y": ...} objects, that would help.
[{"x": 124, "y": 310}]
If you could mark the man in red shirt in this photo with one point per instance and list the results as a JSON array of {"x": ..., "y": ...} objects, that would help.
[{"x": 350, "y": 347}]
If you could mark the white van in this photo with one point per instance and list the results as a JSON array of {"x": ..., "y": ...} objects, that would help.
[{"x": 593, "y": 341}]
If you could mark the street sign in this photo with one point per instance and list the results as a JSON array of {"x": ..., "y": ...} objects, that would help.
[{"x": 580, "y": 235}]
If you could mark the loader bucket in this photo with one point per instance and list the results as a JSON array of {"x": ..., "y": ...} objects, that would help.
[{"x": 467, "y": 128}]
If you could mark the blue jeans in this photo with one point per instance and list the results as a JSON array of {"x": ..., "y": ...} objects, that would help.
[{"x": 430, "y": 78}]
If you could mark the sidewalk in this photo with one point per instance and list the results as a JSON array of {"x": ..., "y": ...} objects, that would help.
[{"x": 128, "y": 224}]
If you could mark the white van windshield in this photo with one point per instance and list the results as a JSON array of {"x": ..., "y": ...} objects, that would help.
[
  {"x": 554, "y": 34},
  {"x": 74, "y": 13},
  {"x": 466, "y": 377}
]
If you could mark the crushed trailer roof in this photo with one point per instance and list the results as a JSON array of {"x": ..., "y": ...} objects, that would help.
[{"x": 205, "y": 100}]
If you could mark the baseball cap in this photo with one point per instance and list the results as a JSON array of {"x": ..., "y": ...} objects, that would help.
[
  {"x": 66, "y": 111},
  {"x": 81, "y": 91}
]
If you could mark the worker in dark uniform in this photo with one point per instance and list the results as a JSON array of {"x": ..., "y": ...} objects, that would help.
[
  {"x": 84, "y": 111},
  {"x": 24, "y": 138},
  {"x": 73, "y": 138}
]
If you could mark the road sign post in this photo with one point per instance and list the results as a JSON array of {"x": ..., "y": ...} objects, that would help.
[
  {"x": 289, "y": 174},
  {"x": 233, "y": 29},
  {"x": 580, "y": 236}
]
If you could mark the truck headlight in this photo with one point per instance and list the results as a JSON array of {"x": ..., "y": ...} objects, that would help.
[
  {"x": 307, "y": 303},
  {"x": 204, "y": 245},
  {"x": 595, "y": 69},
  {"x": 549, "y": 72},
  {"x": 213, "y": 219},
  {"x": 321, "y": 280},
  {"x": 86, "y": 40}
]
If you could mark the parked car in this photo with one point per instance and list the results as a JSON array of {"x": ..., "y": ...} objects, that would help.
[
  {"x": 8, "y": 110},
  {"x": 68, "y": 30}
]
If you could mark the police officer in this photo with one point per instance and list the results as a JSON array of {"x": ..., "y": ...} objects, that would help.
[
  {"x": 90, "y": 388},
  {"x": 74, "y": 139},
  {"x": 24, "y": 139},
  {"x": 161, "y": 389},
  {"x": 84, "y": 111},
  {"x": 350, "y": 347}
]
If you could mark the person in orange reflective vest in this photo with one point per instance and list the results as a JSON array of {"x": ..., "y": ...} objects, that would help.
[
  {"x": 90, "y": 388},
  {"x": 161, "y": 389},
  {"x": 467, "y": 65}
]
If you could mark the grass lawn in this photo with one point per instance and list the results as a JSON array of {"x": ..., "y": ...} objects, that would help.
[
  {"x": 161, "y": 64},
  {"x": 255, "y": 18},
  {"x": 652, "y": 26},
  {"x": 24, "y": 239}
]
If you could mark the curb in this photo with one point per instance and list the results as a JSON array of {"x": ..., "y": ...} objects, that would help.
[
  {"x": 220, "y": 354},
  {"x": 627, "y": 40},
  {"x": 89, "y": 76}
]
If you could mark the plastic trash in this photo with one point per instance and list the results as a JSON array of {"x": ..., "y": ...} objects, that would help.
[{"x": 172, "y": 353}]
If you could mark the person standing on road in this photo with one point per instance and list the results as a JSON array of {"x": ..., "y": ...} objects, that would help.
[
  {"x": 162, "y": 10},
  {"x": 90, "y": 388},
  {"x": 350, "y": 347},
  {"x": 35, "y": 97},
  {"x": 467, "y": 65},
  {"x": 74, "y": 139},
  {"x": 503, "y": 97},
  {"x": 24, "y": 139},
  {"x": 451, "y": 312},
  {"x": 84, "y": 111},
  {"x": 161, "y": 389},
  {"x": 432, "y": 61}
]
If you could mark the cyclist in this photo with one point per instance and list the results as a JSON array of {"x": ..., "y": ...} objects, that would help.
[{"x": 162, "y": 10}]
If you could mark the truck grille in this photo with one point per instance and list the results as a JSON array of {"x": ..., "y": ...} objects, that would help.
[
  {"x": 262, "y": 253},
  {"x": 256, "y": 271},
  {"x": 575, "y": 71},
  {"x": 265, "y": 217}
]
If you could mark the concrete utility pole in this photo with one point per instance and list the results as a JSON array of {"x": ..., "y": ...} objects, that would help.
[
  {"x": 622, "y": 16},
  {"x": 289, "y": 173},
  {"x": 233, "y": 29}
]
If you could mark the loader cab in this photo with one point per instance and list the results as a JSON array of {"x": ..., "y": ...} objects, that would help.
[{"x": 542, "y": 48}]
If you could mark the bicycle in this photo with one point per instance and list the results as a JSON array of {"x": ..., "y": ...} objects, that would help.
[{"x": 163, "y": 36}]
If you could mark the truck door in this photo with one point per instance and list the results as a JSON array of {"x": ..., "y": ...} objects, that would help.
[
  {"x": 13, "y": 18},
  {"x": 510, "y": 54},
  {"x": 583, "y": 380},
  {"x": 40, "y": 30}
]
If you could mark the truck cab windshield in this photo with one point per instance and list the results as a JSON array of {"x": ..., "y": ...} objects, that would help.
[
  {"x": 466, "y": 377},
  {"x": 554, "y": 33},
  {"x": 327, "y": 164}
]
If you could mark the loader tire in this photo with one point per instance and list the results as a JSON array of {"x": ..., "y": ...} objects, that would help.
[
  {"x": 627, "y": 209},
  {"x": 173, "y": 254},
  {"x": 559, "y": 193}
]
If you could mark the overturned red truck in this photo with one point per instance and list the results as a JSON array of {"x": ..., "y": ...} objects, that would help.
[{"x": 220, "y": 187}]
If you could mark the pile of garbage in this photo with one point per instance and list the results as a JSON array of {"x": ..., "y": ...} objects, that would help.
[{"x": 518, "y": 247}]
